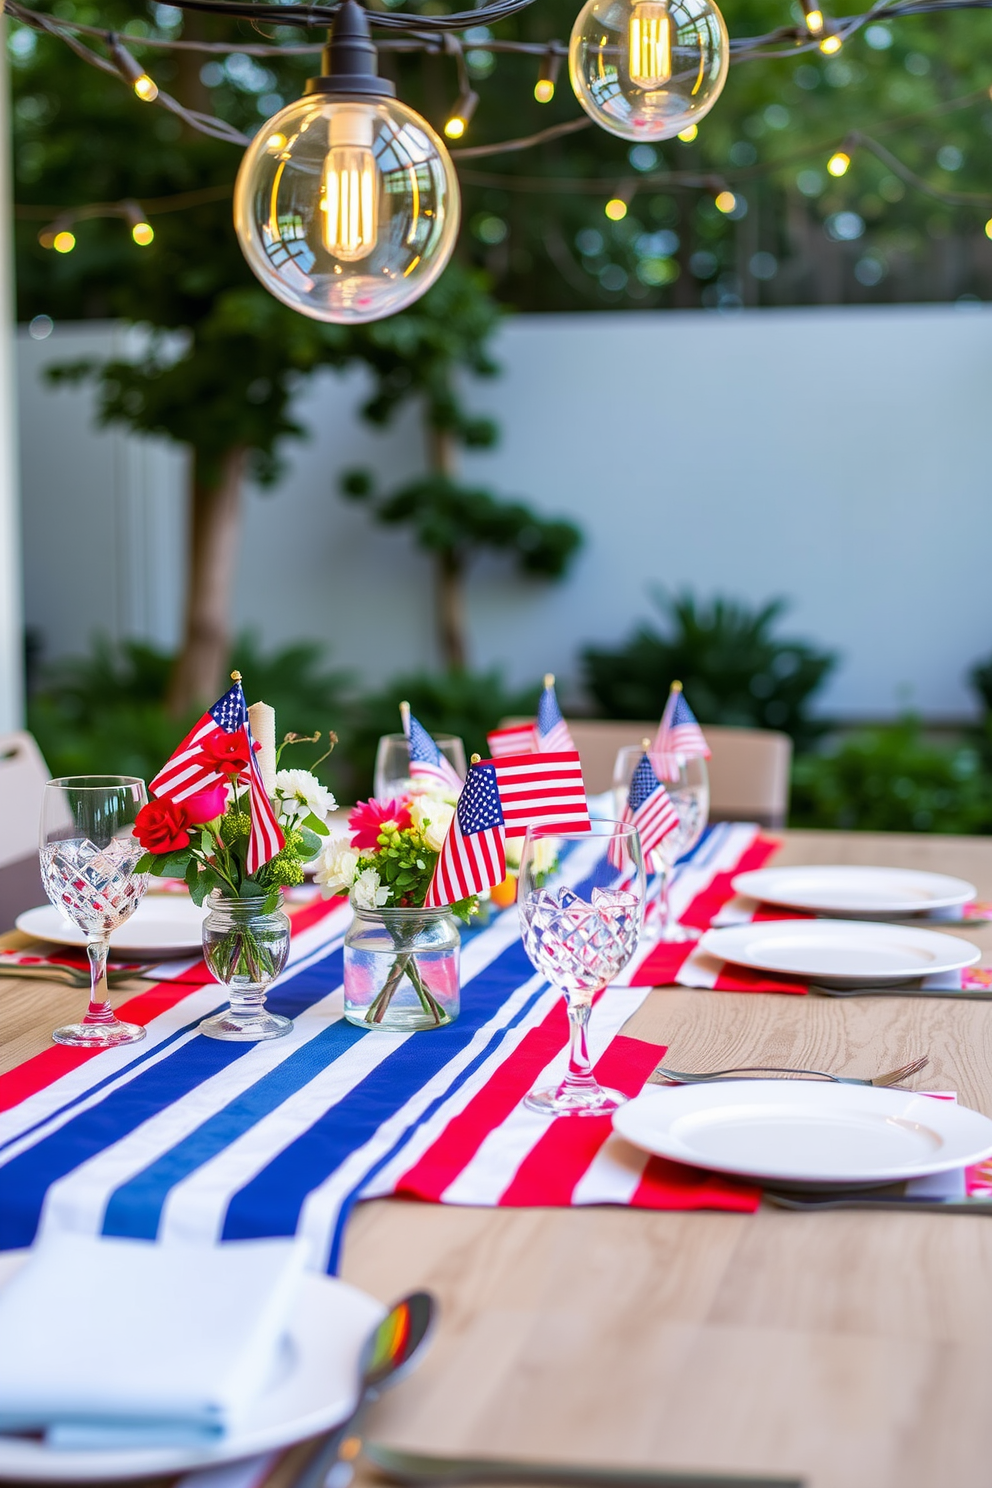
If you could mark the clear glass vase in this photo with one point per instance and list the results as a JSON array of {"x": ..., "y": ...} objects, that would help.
[
  {"x": 245, "y": 949},
  {"x": 401, "y": 969}
]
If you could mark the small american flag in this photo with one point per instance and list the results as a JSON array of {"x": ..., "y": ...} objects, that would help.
[
  {"x": 551, "y": 728},
  {"x": 649, "y": 807},
  {"x": 678, "y": 735},
  {"x": 426, "y": 760},
  {"x": 191, "y": 769},
  {"x": 542, "y": 790},
  {"x": 473, "y": 857},
  {"x": 520, "y": 739}
]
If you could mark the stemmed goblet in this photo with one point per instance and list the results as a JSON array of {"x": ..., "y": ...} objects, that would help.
[
  {"x": 581, "y": 938},
  {"x": 392, "y": 763},
  {"x": 88, "y": 855},
  {"x": 689, "y": 792}
]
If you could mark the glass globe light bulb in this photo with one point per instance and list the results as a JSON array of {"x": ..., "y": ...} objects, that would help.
[
  {"x": 648, "y": 69},
  {"x": 346, "y": 207}
]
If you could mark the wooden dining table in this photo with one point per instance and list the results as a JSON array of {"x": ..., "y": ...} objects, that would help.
[{"x": 846, "y": 1349}]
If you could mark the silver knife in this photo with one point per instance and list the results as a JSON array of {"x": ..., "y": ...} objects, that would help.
[{"x": 417, "y": 1468}]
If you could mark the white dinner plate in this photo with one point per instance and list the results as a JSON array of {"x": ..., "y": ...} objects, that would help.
[
  {"x": 848, "y": 890},
  {"x": 840, "y": 951},
  {"x": 164, "y": 924},
  {"x": 316, "y": 1389},
  {"x": 801, "y": 1131}
]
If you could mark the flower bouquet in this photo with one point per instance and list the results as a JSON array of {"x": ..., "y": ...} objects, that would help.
[
  {"x": 206, "y": 838},
  {"x": 401, "y": 958}
]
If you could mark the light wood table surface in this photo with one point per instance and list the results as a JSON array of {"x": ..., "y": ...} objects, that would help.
[{"x": 850, "y": 1349}]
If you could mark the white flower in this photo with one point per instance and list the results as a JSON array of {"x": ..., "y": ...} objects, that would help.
[
  {"x": 367, "y": 892},
  {"x": 336, "y": 866},
  {"x": 432, "y": 818},
  {"x": 544, "y": 854},
  {"x": 298, "y": 793}
]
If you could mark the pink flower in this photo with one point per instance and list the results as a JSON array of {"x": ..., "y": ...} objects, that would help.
[
  {"x": 368, "y": 818},
  {"x": 206, "y": 805}
]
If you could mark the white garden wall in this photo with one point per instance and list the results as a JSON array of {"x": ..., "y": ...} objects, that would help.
[{"x": 839, "y": 457}]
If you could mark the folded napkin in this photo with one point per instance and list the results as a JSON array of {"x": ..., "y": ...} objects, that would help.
[{"x": 112, "y": 1343}]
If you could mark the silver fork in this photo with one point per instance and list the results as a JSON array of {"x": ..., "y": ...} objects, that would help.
[{"x": 663, "y": 1074}]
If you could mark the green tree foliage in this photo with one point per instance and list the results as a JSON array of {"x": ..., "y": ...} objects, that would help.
[
  {"x": 735, "y": 670},
  {"x": 105, "y": 710},
  {"x": 892, "y": 780}
]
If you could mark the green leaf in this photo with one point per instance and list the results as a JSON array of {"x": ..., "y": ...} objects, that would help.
[
  {"x": 311, "y": 844},
  {"x": 271, "y": 903},
  {"x": 145, "y": 864},
  {"x": 250, "y": 887},
  {"x": 192, "y": 870},
  {"x": 313, "y": 823},
  {"x": 173, "y": 865},
  {"x": 200, "y": 887}
]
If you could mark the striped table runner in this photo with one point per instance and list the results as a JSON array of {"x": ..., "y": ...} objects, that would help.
[{"x": 186, "y": 1137}]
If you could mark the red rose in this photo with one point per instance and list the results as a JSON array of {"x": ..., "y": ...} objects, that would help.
[
  {"x": 206, "y": 805},
  {"x": 161, "y": 826},
  {"x": 227, "y": 752}
]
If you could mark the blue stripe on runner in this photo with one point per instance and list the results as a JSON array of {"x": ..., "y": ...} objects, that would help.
[
  {"x": 135, "y": 1209},
  {"x": 156, "y": 1051},
  {"x": 25, "y": 1180},
  {"x": 271, "y": 1202}
]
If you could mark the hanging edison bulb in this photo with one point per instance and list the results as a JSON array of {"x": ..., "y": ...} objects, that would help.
[
  {"x": 648, "y": 69},
  {"x": 346, "y": 204}
]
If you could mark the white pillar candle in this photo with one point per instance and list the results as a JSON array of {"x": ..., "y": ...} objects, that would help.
[{"x": 262, "y": 721}]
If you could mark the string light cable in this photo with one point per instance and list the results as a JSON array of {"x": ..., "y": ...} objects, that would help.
[{"x": 434, "y": 34}]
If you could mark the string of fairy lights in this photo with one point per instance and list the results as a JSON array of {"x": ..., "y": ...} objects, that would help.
[{"x": 347, "y": 202}]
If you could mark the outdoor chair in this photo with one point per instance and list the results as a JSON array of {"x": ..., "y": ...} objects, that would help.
[
  {"x": 749, "y": 770},
  {"x": 23, "y": 774}
]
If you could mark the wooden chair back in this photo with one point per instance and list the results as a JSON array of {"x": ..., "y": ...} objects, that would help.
[{"x": 749, "y": 770}]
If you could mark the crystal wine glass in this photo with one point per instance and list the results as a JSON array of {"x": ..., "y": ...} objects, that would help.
[
  {"x": 88, "y": 854},
  {"x": 392, "y": 764},
  {"x": 690, "y": 795},
  {"x": 580, "y": 938}
]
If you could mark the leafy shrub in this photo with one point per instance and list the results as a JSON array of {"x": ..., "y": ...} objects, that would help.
[
  {"x": 104, "y": 712},
  {"x": 734, "y": 669},
  {"x": 891, "y": 780},
  {"x": 465, "y": 703}
]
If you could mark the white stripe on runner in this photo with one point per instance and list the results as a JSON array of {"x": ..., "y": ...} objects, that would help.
[
  {"x": 613, "y": 1175},
  {"x": 78, "y": 1201},
  {"x": 196, "y": 1207},
  {"x": 306, "y": 948},
  {"x": 491, "y": 1171},
  {"x": 429, "y": 1131}
]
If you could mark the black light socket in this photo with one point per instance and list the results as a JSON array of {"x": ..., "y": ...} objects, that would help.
[{"x": 350, "y": 60}]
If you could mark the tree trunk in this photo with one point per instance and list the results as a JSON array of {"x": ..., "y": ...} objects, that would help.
[
  {"x": 215, "y": 516},
  {"x": 451, "y": 608},
  {"x": 449, "y": 566}
]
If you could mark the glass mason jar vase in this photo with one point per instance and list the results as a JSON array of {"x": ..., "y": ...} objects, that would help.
[
  {"x": 401, "y": 969},
  {"x": 245, "y": 950}
]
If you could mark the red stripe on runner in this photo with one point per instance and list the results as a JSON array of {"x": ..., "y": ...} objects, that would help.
[
  {"x": 463, "y": 1136},
  {"x": 51, "y": 1064},
  {"x": 742, "y": 979},
  {"x": 550, "y": 1171},
  {"x": 699, "y": 915},
  {"x": 662, "y": 965},
  {"x": 669, "y": 1185}
]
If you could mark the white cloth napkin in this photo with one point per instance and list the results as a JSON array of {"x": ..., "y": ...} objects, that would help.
[{"x": 114, "y": 1343}]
